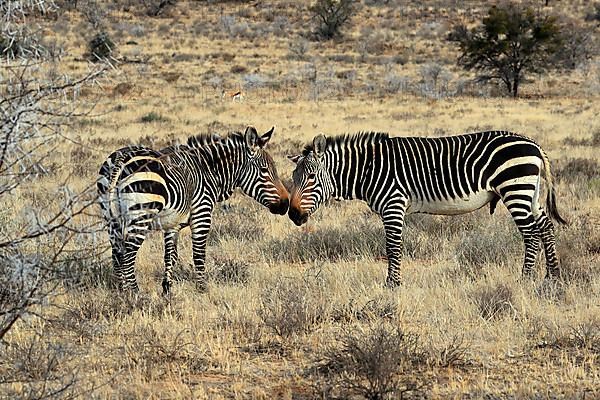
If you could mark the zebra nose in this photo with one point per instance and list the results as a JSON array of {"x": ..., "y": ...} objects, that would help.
[
  {"x": 299, "y": 217},
  {"x": 280, "y": 207}
]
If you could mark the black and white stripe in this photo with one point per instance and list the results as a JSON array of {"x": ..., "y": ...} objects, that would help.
[
  {"x": 142, "y": 189},
  {"x": 447, "y": 175}
]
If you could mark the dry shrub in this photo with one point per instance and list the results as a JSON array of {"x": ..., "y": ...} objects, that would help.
[
  {"x": 493, "y": 301},
  {"x": 584, "y": 335},
  {"x": 226, "y": 270},
  {"x": 236, "y": 222},
  {"x": 101, "y": 47},
  {"x": 32, "y": 359},
  {"x": 105, "y": 305},
  {"x": 578, "y": 247},
  {"x": 293, "y": 306},
  {"x": 593, "y": 141},
  {"x": 81, "y": 158},
  {"x": 157, "y": 354},
  {"x": 452, "y": 352},
  {"x": 92, "y": 270},
  {"x": 375, "y": 363},
  {"x": 242, "y": 324},
  {"x": 595, "y": 138},
  {"x": 331, "y": 243},
  {"x": 378, "y": 308},
  {"x": 153, "y": 116},
  {"x": 578, "y": 169},
  {"x": 485, "y": 244},
  {"x": 36, "y": 368},
  {"x": 239, "y": 69}
]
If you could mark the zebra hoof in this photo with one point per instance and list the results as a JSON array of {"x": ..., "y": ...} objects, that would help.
[
  {"x": 202, "y": 286},
  {"x": 554, "y": 277},
  {"x": 166, "y": 285},
  {"x": 392, "y": 284}
]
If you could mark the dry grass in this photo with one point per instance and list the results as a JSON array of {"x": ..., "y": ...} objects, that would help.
[{"x": 283, "y": 301}]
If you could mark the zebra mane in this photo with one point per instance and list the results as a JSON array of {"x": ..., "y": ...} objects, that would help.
[
  {"x": 359, "y": 138},
  {"x": 205, "y": 139}
]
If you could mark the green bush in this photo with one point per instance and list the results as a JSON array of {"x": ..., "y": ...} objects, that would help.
[{"x": 101, "y": 47}]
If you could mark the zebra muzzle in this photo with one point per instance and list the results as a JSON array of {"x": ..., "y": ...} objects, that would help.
[
  {"x": 298, "y": 217},
  {"x": 281, "y": 207}
]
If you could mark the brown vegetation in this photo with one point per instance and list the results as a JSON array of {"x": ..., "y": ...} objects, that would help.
[{"x": 301, "y": 312}]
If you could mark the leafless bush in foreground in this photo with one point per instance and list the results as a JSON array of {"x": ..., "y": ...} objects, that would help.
[
  {"x": 35, "y": 105},
  {"x": 375, "y": 363}
]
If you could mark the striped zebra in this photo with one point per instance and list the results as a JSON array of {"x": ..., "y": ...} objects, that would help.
[
  {"x": 447, "y": 175},
  {"x": 142, "y": 189}
]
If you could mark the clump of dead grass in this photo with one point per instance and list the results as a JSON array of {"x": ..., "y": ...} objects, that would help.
[
  {"x": 228, "y": 270},
  {"x": 493, "y": 301},
  {"x": 293, "y": 306},
  {"x": 375, "y": 362}
]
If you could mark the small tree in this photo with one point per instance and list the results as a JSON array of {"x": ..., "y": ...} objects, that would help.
[
  {"x": 510, "y": 42},
  {"x": 578, "y": 45},
  {"x": 331, "y": 15}
]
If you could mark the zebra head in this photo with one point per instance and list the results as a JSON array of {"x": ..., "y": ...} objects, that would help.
[
  {"x": 312, "y": 184},
  {"x": 258, "y": 178}
]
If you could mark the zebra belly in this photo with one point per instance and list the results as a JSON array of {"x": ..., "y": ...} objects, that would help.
[
  {"x": 169, "y": 218},
  {"x": 452, "y": 206}
]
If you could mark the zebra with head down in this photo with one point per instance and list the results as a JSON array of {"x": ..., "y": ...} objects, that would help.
[
  {"x": 142, "y": 189},
  {"x": 446, "y": 175}
]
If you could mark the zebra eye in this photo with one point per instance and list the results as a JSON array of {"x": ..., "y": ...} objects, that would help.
[
  {"x": 264, "y": 170},
  {"x": 311, "y": 176}
]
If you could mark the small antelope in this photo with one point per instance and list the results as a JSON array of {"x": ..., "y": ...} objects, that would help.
[{"x": 235, "y": 95}]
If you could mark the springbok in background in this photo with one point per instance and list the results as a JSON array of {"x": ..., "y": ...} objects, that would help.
[{"x": 234, "y": 96}]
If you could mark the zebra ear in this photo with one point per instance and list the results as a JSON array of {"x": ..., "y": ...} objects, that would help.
[
  {"x": 264, "y": 139},
  {"x": 294, "y": 159},
  {"x": 319, "y": 145},
  {"x": 251, "y": 136}
]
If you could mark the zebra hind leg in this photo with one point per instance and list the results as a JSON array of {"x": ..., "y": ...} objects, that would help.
[
  {"x": 117, "y": 249},
  {"x": 546, "y": 228},
  {"x": 531, "y": 239},
  {"x": 524, "y": 219},
  {"x": 128, "y": 262},
  {"x": 116, "y": 262},
  {"x": 170, "y": 260}
]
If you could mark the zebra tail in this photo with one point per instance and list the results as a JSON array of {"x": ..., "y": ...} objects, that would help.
[
  {"x": 106, "y": 185},
  {"x": 551, "y": 197}
]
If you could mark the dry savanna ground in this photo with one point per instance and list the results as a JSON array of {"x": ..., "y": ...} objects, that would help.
[{"x": 302, "y": 313}]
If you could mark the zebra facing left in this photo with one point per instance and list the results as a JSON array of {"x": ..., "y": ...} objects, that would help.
[
  {"x": 141, "y": 189},
  {"x": 446, "y": 175}
]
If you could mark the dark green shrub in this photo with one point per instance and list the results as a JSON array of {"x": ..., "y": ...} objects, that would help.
[
  {"x": 489, "y": 47},
  {"x": 101, "y": 47},
  {"x": 153, "y": 117},
  {"x": 331, "y": 15}
]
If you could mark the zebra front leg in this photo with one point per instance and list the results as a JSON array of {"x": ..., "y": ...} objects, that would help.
[
  {"x": 170, "y": 259},
  {"x": 200, "y": 221},
  {"x": 393, "y": 223},
  {"x": 546, "y": 228}
]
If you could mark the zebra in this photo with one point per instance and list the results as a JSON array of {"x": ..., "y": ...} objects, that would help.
[
  {"x": 446, "y": 175},
  {"x": 141, "y": 189}
]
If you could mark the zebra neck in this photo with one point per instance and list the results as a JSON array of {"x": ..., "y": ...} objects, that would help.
[
  {"x": 348, "y": 167},
  {"x": 224, "y": 163}
]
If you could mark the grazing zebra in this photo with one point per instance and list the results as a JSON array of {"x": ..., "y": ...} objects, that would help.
[
  {"x": 447, "y": 175},
  {"x": 142, "y": 189}
]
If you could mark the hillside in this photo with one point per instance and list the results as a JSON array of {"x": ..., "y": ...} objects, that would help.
[{"x": 287, "y": 306}]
